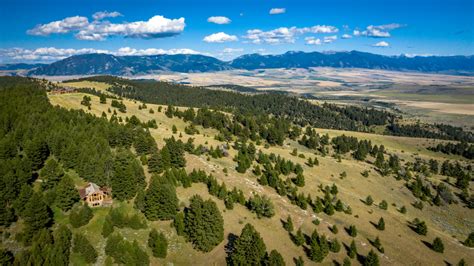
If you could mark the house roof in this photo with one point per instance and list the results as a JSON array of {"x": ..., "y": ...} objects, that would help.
[{"x": 91, "y": 188}]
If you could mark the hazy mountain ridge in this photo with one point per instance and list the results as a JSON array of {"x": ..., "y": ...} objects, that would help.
[{"x": 93, "y": 64}]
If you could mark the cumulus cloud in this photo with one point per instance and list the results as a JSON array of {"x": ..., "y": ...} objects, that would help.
[
  {"x": 276, "y": 11},
  {"x": 346, "y": 36},
  {"x": 284, "y": 34},
  {"x": 312, "y": 41},
  {"x": 155, "y": 27},
  {"x": 381, "y": 44},
  {"x": 44, "y": 53},
  {"x": 48, "y": 54},
  {"x": 381, "y": 31},
  {"x": 330, "y": 39},
  {"x": 219, "y": 20},
  {"x": 105, "y": 14},
  {"x": 60, "y": 26},
  {"x": 317, "y": 41},
  {"x": 220, "y": 37}
]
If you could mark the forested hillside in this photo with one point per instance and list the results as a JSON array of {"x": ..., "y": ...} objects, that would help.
[
  {"x": 290, "y": 108},
  {"x": 199, "y": 185}
]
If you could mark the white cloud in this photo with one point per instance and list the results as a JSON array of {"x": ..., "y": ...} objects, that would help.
[
  {"x": 153, "y": 51},
  {"x": 44, "y": 53},
  {"x": 284, "y": 34},
  {"x": 219, "y": 20},
  {"x": 220, "y": 37},
  {"x": 320, "y": 29},
  {"x": 60, "y": 26},
  {"x": 275, "y": 11},
  {"x": 155, "y": 27},
  {"x": 317, "y": 41},
  {"x": 346, "y": 36},
  {"x": 229, "y": 53},
  {"x": 48, "y": 54},
  {"x": 381, "y": 44},
  {"x": 330, "y": 39},
  {"x": 312, "y": 41},
  {"x": 381, "y": 31},
  {"x": 105, "y": 14},
  {"x": 232, "y": 50}
]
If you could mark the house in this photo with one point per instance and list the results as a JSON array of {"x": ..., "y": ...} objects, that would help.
[{"x": 96, "y": 196}]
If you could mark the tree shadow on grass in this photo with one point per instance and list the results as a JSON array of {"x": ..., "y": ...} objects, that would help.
[
  {"x": 428, "y": 244},
  {"x": 230, "y": 246}
]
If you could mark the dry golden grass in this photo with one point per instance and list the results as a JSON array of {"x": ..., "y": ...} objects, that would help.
[
  {"x": 402, "y": 245},
  {"x": 100, "y": 86}
]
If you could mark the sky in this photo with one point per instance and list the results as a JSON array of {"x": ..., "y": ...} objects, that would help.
[{"x": 50, "y": 30}]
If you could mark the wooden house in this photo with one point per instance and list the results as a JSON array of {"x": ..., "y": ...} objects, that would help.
[{"x": 96, "y": 196}]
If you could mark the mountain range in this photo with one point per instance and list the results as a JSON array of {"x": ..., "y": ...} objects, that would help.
[{"x": 97, "y": 64}]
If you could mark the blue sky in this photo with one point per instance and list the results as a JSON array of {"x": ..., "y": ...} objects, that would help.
[{"x": 33, "y": 31}]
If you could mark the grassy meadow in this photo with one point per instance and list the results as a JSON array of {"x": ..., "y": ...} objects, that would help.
[{"x": 402, "y": 246}]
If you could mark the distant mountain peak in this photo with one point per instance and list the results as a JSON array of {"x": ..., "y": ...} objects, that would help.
[{"x": 99, "y": 63}]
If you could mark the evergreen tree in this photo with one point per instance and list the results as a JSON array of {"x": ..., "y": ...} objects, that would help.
[
  {"x": 377, "y": 244},
  {"x": 316, "y": 252},
  {"x": 335, "y": 246},
  {"x": 178, "y": 223},
  {"x": 59, "y": 254},
  {"x": 334, "y": 229},
  {"x": 352, "y": 250},
  {"x": 346, "y": 262},
  {"x": 20, "y": 202},
  {"x": 329, "y": 209},
  {"x": 36, "y": 215},
  {"x": 352, "y": 230},
  {"x": 438, "y": 245},
  {"x": 51, "y": 174},
  {"x": 469, "y": 242},
  {"x": 128, "y": 175},
  {"x": 80, "y": 215},
  {"x": 380, "y": 160},
  {"x": 83, "y": 247},
  {"x": 299, "y": 180},
  {"x": 158, "y": 244},
  {"x": 369, "y": 200},
  {"x": 298, "y": 261},
  {"x": 40, "y": 251},
  {"x": 161, "y": 202},
  {"x": 381, "y": 224},
  {"x": 261, "y": 205},
  {"x": 67, "y": 194},
  {"x": 204, "y": 225},
  {"x": 372, "y": 259},
  {"x": 288, "y": 225},
  {"x": 298, "y": 239},
  {"x": 275, "y": 259},
  {"x": 103, "y": 99},
  {"x": 37, "y": 151},
  {"x": 155, "y": 164},
  {"x": 249, "y": 248},
  {"x": 420, "y": 227},
  {"x": 339, "y": 206}
]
